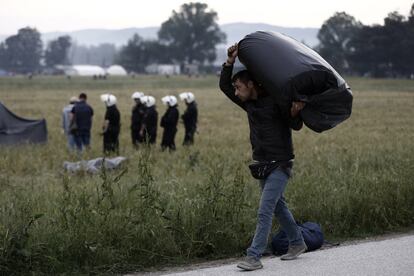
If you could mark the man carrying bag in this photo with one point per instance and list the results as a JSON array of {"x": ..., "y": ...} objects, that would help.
[{"x": 271, "y": 139}]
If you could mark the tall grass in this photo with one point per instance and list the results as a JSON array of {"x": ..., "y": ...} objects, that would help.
[{"x": 198, "y": 202}]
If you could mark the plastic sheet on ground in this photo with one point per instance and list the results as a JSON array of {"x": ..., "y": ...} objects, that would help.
[{"x": 93, "y": 166}]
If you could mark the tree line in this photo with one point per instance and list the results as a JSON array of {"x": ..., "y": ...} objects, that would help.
[
  {"x": 189, "y": 36},
  {"x": 23, "y": 53},
  {"x": 379, "y": 50}
]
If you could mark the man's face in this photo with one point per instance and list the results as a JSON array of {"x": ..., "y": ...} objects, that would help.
[{"x": 243, "y": 91}]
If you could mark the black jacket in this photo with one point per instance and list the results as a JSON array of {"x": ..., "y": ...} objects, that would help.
[
  {"x": 270, "y": 124},
  {"x": 190, "y": 117},
  {"x": 137, "y": 116},
  {"x": 114, "y": 118},
  {"x": 169, "y": 122},
  {"x": 170, "y": 118},
  {"x": 83, "y": 115},
  {"x": 150, "y": 121}
]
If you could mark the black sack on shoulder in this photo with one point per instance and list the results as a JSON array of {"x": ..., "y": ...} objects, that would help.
[{"x": 291, "y": 71}]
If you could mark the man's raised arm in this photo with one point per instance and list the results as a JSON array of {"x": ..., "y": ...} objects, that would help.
[{"x": 226, "y": 84}]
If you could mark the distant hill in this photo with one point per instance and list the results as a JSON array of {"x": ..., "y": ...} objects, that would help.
[
  {"x": 234, "y": 31},
  {"x": 95, "y": 37}
]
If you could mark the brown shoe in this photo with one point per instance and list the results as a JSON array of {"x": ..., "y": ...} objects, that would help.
[
  {"x": 250, "y": 263},
  {"x": 294, "y": 251}
]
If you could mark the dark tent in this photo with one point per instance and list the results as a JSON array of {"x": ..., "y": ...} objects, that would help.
[
  {"x": 292, "y": 71},
  {"x": 16, "y": 130}
]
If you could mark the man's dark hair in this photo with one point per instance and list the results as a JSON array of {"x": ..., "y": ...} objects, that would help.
[
  {"x": 83, "y": 96},
  {"x": 244, "y": 76}
]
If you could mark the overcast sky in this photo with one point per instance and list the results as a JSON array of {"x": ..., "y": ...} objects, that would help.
[{"x": 71, "y": 15}]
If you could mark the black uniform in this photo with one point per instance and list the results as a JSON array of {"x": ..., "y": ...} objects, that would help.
[
  {"x": 169, "y": 122},
  {"x": 110, "y": 137},
  {"x": 190, "y": 123},
  {"x": 150, "y": 121},
  {"x": 136, "y": 123}
]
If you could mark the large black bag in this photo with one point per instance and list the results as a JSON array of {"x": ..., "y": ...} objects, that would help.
[
  {"x": 312, "y": 235},
  {"x": 291, "y": 71}
]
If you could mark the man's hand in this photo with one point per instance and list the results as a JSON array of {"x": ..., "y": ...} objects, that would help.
[
  {"x": 231, "y": 54},
  {"x": 105, "y": 126},
  {"x": 296, "y": 107}
]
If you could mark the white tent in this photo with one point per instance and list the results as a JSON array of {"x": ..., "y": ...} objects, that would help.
[
  {"x": 84, "y": 70},
  {"x": 116, "y": 70}
]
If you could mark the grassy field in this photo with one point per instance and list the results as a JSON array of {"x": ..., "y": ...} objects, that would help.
[{"x": 198, "y": 202}]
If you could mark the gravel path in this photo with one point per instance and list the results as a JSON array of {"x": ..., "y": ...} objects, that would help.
[{"x": 392, "y": 256}]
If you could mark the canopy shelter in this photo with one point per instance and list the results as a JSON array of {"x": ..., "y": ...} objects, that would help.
[
  {"x": 17, "y": 130},
  {"x": 85, "y": 70},
  {"x": 116, "y": 70}
]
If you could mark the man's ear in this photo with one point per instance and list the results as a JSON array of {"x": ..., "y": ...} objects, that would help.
[{"x": 250, "y": 84}]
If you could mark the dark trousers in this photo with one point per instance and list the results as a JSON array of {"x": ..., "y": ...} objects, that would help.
[
  {"x": 168, "y": 139},
  {"x": 149, "y": 137},
  {"x": 136, "y": 138},
  {"x": 82, "y": 140},
  {"x": 111, "y": 142},
  {"x": 272, "y": 202},
  {"x": 189, "y": 137}
]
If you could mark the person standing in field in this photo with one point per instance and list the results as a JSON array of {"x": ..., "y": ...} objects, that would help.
[
  {"x": 271, "y": 139},
  {"x": 111, "y": 125},
  {"x": 66, "y": 123},
  {"x": 189, "y": 117},
  {"x": 136, "y": 118},
  {"x": 169, "y": 122},
  {"x": 150, "y": 121},
  {"x": 82, "y": 114}
]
